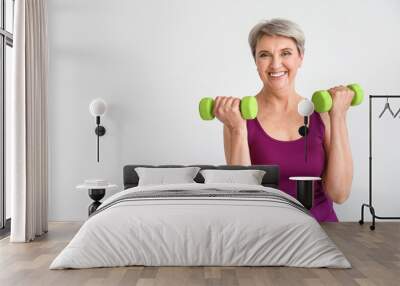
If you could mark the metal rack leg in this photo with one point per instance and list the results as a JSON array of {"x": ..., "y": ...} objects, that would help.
[
  {"x": 361, "y": 221},
  {"x": 372, "y": 211}
]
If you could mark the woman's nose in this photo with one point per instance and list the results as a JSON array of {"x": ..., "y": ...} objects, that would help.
[{"x": 276, "y": 62}]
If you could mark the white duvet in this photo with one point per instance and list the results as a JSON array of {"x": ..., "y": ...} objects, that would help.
[{"x": 200, "y": 231}]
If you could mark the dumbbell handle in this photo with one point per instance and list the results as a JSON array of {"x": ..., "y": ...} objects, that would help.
[
  {"x": 323, "y": 101},
  {"x": 248, "y": 108}
]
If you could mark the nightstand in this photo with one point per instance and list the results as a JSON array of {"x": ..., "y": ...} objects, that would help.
[
  {"x": 96, "y": 193},
  {"x": 305, "y": 190}
]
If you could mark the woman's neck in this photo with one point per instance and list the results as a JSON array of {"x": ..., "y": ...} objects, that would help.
[{"x": 284, "y": 100}]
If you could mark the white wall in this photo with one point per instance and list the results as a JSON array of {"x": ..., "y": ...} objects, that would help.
[{"x": 153, "y": 60}]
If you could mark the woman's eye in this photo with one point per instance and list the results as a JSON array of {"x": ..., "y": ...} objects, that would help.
[
  {"x": 264, "y": 55},
  {"x": 286, "y": 54}
]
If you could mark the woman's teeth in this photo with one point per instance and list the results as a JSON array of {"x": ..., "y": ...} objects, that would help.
[{"x": 277, "y": 74}]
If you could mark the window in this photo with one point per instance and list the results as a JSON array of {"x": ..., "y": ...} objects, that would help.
[{"x": 6, "y": 44}]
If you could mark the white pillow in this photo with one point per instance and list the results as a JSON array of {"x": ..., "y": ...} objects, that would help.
[
  {"x": 248, "y": 177},
  {"x": 163, "y": 176}
]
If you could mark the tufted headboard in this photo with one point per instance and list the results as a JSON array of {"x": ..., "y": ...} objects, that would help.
[{"x": 270, "y": 179}]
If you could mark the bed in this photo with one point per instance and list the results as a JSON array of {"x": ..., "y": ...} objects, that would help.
[{"x": 201, "y": 224}]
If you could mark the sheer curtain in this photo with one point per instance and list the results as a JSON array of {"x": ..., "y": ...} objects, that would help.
[{"x": 27, "y": 122}]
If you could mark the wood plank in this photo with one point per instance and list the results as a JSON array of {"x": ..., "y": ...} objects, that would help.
[{"x": 374, "y": 255}]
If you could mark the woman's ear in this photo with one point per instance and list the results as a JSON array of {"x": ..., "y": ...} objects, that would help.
[{"x": 301, "y": 60}]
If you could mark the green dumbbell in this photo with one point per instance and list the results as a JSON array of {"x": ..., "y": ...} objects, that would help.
[
  {"x": 248, "y": 108},
  {"x": 323, "y": 102}
]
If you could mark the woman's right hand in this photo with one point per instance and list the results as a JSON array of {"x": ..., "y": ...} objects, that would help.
[{"x": 227, "y": 110}]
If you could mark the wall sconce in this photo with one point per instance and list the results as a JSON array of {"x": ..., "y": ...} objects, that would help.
[
  {"x": 97, "y": 108},
  {"x": 305, "y": 108}
]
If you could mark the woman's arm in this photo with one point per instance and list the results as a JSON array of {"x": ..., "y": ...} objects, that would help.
[
  {"x": 338, "y": 176},
  {"x": 227, "y": 110},
  {"x": 236, "y": 147}
]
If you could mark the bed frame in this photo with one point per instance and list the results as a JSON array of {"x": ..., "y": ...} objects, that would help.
[{"x": 270, "y": 179}]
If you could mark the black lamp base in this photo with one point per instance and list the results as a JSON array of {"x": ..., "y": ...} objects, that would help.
[{"x": 96, "y": 195}]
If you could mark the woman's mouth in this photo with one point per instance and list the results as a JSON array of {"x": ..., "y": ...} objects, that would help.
[{"x": 277, "y": 75}]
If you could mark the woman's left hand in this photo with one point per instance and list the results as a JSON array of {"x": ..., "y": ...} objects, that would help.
[{"x": 341, "y": 99}]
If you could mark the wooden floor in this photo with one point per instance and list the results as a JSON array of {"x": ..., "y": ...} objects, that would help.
[{"x": 374, "y": 255}]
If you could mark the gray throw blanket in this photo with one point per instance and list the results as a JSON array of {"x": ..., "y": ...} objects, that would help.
[{"x": 205, "y": 193}]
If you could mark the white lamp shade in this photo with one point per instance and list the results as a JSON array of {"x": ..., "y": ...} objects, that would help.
[
  {"x": 305, "y": 107},
  {"x": 98, "y": 107}
]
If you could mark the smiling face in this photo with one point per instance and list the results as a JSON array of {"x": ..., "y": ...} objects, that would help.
[{"x": 277, "y": 60}]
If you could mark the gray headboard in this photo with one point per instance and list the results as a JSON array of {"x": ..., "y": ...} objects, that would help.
[{"x": 270, "y": 179}]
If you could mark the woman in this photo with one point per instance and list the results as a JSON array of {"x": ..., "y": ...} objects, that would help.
[{"x": 273, "y": 138}]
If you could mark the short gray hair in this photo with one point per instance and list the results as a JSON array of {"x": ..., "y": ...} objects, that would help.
[{"x": 276, "y": 27}]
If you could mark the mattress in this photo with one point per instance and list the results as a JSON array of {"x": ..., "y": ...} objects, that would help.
[{"x": 201, "y": 225}]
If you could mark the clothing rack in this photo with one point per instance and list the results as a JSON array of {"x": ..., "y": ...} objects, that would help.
[{"x": 371, "y": 208}]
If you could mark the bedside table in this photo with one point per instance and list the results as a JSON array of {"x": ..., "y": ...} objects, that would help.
[
  {"x": 96, "y": 193},
  {"x": 305, "y": 190}
]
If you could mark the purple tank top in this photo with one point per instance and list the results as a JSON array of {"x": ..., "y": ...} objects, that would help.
[{"x": 289, "y": 155}]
